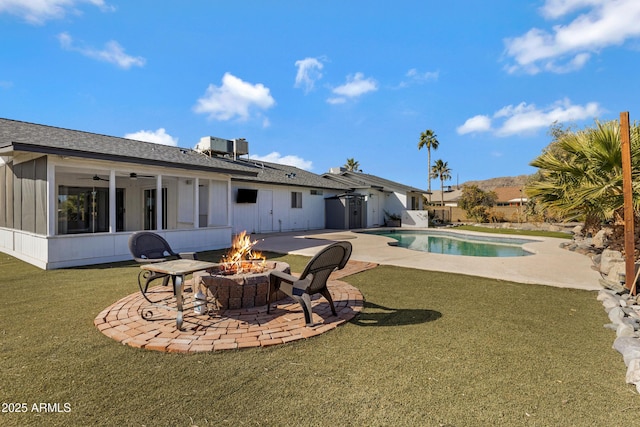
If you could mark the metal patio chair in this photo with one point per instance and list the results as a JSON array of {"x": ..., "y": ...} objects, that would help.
[
  {"x": 148, "y": 247},
  {"x": 313, "y": 279}
]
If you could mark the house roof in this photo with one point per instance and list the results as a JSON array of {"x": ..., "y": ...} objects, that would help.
[
  {"x": 359, "y": 180},
  {"x": 279, "y": 174},
  {"x": 22, "y": 136},
  {"x": 510, "y": 194},
  {"x": 449, "y": 196}
]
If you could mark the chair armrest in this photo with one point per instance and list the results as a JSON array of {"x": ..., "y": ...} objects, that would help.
[
  {"x": 292, "y": 285},
  {"x": 187, "y": 255},
  {"x": 285, "y": 277}
]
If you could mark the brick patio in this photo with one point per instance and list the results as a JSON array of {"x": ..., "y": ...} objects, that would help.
[{"x": 230, "y": 329}]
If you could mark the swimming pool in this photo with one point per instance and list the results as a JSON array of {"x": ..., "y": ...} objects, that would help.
[{"x": 449, "y": 243}]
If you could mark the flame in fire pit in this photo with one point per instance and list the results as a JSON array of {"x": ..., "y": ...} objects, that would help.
[{"x": 241, "y": 259}]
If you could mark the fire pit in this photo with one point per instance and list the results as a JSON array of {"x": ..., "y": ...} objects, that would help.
[
  {"x": 241, "y": 290},
  {"x": 242, "y": 278}
]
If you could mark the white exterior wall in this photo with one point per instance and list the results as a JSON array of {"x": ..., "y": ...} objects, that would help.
[
  {"x": 85, "y": 249},
  {"x": 272, "y": 211}
]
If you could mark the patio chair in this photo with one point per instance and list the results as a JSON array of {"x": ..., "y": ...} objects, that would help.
[
  {"x": 313, "y": 279},
  {"x": 147, "y": 247}
]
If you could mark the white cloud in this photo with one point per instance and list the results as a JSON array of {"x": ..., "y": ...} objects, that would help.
[
  {"x": 477, "y": 123},
  {"x": 355, "y": 86},
  {"x": 112, "y": 53},
  {"x": 421, "y": 77},
  {"x": 39, "y": 11},
  {"x": 526, "y": 118},
  {"x": 159, "y": 136},
  {"x": 567, "y": 47},
  {"x": 5, "y": 84},
  {"x": 336, "y": 100},
  {"x": 290, "y": 160},
  {"x": 309, "y": 71},
  {"x": 234, "y": 99}
]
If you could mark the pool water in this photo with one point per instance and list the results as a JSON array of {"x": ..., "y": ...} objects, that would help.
[{"x": 448, "y": 243}]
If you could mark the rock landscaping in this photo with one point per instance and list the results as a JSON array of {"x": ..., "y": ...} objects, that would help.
[
  {"x": 622, "y": 308},
  {"x": 624, "y": 314}
]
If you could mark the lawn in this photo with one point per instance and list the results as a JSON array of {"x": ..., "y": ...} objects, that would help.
[
  {"x": 432, "y": 349},
  {"x": 516, "y": 231}
]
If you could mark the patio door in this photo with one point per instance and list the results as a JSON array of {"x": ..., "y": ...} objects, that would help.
[
  {"x": 265, "y": 207},
  {"x": 150, "y": 206}
]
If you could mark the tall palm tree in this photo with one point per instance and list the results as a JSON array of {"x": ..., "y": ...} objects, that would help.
[
  {"x": 441, "y": 171},
  {"x": 352, "y": 165},
  {"x": 428, "y": 140}
]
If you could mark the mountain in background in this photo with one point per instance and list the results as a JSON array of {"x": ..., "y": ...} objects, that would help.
[{"x": 493, "y": 183}]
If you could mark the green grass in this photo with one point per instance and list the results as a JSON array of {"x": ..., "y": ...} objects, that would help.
[
  {"x": 429, "y": 348},
  {"x": 541, "y": 233}
]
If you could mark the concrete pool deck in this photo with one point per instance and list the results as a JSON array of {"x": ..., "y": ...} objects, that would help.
[{"x": 550, "y": 264}]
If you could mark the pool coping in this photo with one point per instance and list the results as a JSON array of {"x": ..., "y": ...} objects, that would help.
[
  {"x": 489, "y": 239},
  {"x": 549, "y": 265}
]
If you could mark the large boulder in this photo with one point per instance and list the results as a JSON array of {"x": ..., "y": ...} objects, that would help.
[
  {"x": 577, "y": 230},
  {"x": 602, "y": 237},
  {"x": 609, "y": 259}
]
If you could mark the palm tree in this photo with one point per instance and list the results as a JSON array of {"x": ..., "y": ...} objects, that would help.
[
  {"x": 442, "y": 171},
  {"x": 429, "y": 140},
  {"x": 352, "y": 165},
  {"x": 580, "y": 174}
]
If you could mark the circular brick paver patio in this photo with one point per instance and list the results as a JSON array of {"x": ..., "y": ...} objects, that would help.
[{"x": 229, "y": 329}]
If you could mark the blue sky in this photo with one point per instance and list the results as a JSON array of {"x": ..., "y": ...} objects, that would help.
[{"x": 315, "y": 83}]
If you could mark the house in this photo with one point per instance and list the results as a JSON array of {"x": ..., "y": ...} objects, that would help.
[
  {"x": 70, "y": 198},
  {"x": 450, "y": 196},
  {"x": 506, "y": 196},
  {"x": 510, "y": 196},
  {"x": 370, "y": 199}
]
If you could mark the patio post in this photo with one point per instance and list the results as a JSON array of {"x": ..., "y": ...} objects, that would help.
[
  {"x": 629, "y": 234},
  {"x": 112, "y": 201},
  {"x": 159, "y": 202}
]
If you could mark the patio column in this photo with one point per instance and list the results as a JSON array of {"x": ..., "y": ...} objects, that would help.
[
  {"x": 196, "y": 203},
  {"x": 159, "y": 202},
  {"x": 112, "y": 201},
  {"x": 229, "y": 198},
  {"x": 211, "y": 204},
  {"x": 52, "y": 208}
]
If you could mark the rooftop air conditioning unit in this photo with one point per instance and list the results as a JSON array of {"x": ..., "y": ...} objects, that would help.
[{"x": 224, "y": 147}]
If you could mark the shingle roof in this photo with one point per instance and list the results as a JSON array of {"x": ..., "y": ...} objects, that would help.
[
  {"x": 507, "y": 194},
  {"x": 357, "y": 180},
  {"x": 23, "y": 136},
  {"x": 274, "y": 173}
]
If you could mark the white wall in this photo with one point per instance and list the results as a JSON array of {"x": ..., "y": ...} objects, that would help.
[
  {"x": 86, "y": 249},
  {"x": 418, "y": 219},
  {"x": 246, "y": 216}
]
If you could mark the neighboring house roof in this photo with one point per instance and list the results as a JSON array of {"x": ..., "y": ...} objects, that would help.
[
  {"x": 449, "y": 196},
  {"x": 22, "y": 136},
  {"x": 510, "y": 194},
  {"x": 275, "y": 173},
  {"x": 359, "y": 180}
]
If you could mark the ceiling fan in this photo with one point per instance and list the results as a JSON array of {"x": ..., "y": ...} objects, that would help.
[
  {"x": 134, "y": 175},
  {"x": 97, "y": 178}
]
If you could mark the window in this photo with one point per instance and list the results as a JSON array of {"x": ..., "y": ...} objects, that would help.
[
  {"x": 296, "y": 200},
  {"x": 150, "y": 205},
  {"x": 316, "y": 192},
  {"x": 414, "y": 203},
  {"x": 86, "y": 210}
]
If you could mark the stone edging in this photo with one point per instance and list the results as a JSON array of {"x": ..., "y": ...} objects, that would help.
[{"x": 624, "y": 313}]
